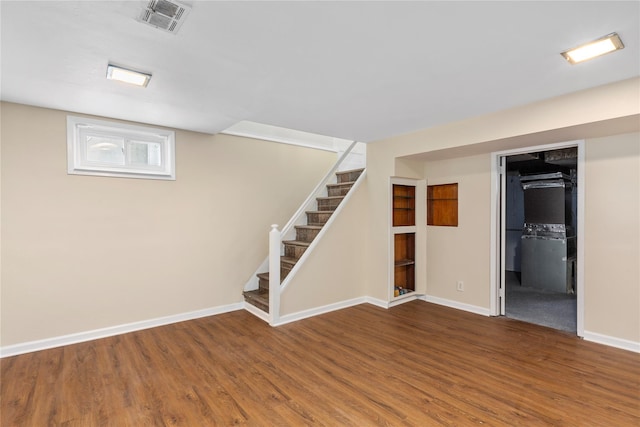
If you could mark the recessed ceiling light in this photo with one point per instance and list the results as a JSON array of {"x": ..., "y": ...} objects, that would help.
[
  {"x": 606, "y": 44},
  {"x": 128, "y": 76}
]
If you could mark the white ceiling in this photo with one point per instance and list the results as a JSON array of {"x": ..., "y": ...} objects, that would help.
[{"x": 352, "y": 69}]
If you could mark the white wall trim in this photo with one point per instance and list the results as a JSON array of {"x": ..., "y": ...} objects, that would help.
[
  {"x": 256, "y": 312},
  {"x": 612, "y": 341},
  {"x": 28, "y": 347},
  {"x": 395, "y": 302},
  {"x": 456, "y": 304},
  {"x": 278, "y": 140},
  {"x": 496, "y": 256},
  {"x": 377, "y": 302},
  {"x": 404, "y": 299},
  {"x": 264, "y": 132},
  {"x": 293, "y": 317},
  {"x": 31, "y": 346}
]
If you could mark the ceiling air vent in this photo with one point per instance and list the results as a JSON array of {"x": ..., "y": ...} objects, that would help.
[{"x": 165, "y": 15}]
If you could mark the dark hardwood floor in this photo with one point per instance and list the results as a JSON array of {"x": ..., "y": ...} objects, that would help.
[{"x": 417, "y": 364}]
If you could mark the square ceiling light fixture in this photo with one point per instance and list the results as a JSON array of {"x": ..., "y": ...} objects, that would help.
[
  {"x": 127, "y": 76},
  {"x": 609, "y": 43}
]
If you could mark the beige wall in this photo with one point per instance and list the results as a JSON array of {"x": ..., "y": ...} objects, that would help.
[
  {"x": 81, "y": 253},
  {"x": 461, "y": 151},
  {"x": 462, "y": 252},
  {"x": 612, "y": 236}
]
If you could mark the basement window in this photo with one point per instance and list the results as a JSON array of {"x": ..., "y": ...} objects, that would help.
[
  {"x": 442, "y": 205},
  {"x": 102, "y": 148}
]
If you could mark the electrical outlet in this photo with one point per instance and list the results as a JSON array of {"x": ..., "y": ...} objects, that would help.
[{"x": 460, "y": 286}]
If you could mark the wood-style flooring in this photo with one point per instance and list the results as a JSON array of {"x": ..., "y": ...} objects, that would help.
[{"x": 417, "y": 364}]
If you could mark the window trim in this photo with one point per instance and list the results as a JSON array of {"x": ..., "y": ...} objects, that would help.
[{"x": 77, "y": 163}]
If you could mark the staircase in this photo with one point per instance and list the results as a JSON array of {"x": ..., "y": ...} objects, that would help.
[{"x": 293, "y": 249}]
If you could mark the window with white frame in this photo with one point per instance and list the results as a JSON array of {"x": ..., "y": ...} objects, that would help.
[{"x": 97, "y": 147}]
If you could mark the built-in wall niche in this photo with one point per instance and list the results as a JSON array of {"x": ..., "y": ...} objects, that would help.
[
  {"x": 404, "y": 263},
  {"x": 403, "y": 237},
  {"x": 442, "y": 205},
  {"x": 404, "y": 205}
]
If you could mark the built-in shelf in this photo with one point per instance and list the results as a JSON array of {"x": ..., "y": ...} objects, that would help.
[
  {"x": 404, "y": 205},
  {"x": 404, "y": 261},
  {"x": 403, "y": 202},
  {"x": 442, "y": 205}
]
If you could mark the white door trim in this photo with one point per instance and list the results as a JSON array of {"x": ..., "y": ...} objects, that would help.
[{"x": 497, "y": 229}]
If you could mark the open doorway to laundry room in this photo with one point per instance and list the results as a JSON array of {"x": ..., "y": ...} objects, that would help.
[{"x": 539, "y": 215}]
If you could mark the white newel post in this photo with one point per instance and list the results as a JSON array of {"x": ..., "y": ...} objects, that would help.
[{"x": 274, "y": 274}]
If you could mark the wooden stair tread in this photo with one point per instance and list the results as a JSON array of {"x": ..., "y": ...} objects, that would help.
[
  {"x": 317, "y": 212},
  {"x": 257, "y": 293},
  {"x": 296, "y": 242},
  {"x": 341, "y": 184},
  {"x": 329, "y": 197},
  {"x": 310, "y": 227},
  {"x": 263, "y": 276},
  {"x": 350, "y": 171},
  {"x": 258, "y": 298},
  {"x": 288, "y": 260}
]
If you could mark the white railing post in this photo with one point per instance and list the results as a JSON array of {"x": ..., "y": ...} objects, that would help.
[{"x": 274, "y": 274}]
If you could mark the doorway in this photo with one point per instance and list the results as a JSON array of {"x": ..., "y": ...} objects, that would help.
[{"x": 539, "y": 228}]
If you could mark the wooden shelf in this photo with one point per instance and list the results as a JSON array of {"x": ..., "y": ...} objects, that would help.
[
  {"x": 404, "y": 261},
  {"x": 442, "y": 205},
  {"x": 403, "y": 238},
  {"x": 404, "y": 205}
]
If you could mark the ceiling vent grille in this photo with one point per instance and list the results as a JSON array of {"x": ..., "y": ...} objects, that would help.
[{"x": 166, "y": 15}]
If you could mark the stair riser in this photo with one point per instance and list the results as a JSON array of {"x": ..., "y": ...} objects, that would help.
[
  {"x": 294, "y": 251},
  {"x": 285, "y": 269},
  {"x": 263, "y": 284},
  {"x": 306, "y": 234},
  {"x": 339, "y": 191},
  {"x": 316, "y": 218},
  {"x": 261, "y": 305},
  {"x": 328, "y": 205},
  {"x": 348, "y": 176}
]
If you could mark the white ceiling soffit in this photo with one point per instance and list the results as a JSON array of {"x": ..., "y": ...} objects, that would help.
[
  {"x": 287, "y": 136},
  {"x": 353, "y": 69}
]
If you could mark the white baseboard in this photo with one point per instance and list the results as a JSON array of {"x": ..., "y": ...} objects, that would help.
[
  {"x": 28, "y": 347},
  {"x": 377, "y": 302},
  {"x": 31, "y": 346},
  {"x": 455, "y": 304},
  {"x": 388, "y": 304},
  {"x": 288, "y": 318},
  {"x": 256, "y": 312},
  {"x": 612, "y": 341}
]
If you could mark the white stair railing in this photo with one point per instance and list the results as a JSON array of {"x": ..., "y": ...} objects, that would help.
[{"x": 276, "y": 248}]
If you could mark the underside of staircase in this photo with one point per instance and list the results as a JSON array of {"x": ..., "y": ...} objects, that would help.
[{"x": 293, "y": 249}]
